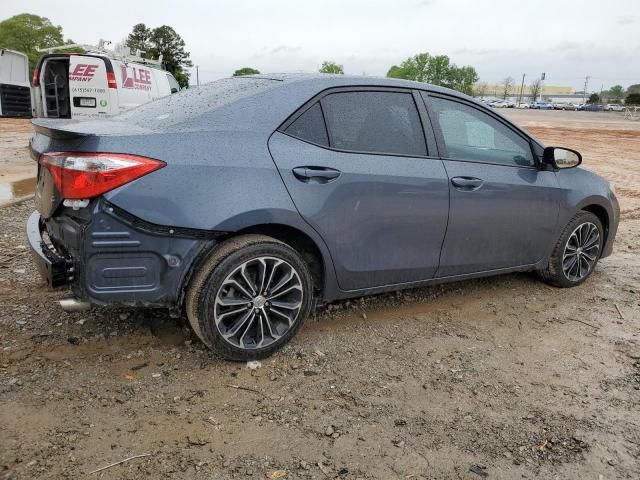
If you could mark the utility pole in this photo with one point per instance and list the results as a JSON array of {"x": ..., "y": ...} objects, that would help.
[
  {"x": 584, "y": 93},
  {"x": 197, "y": 76},
  {"x": 521, "y": 88},
  {"x": 542, "y": 77}
]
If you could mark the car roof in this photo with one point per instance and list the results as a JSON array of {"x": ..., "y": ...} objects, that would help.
[{"x": 336, "y": 80}]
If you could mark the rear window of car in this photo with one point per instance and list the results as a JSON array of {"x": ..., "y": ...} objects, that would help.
[
  {"x": 310, "y": 127},
  {"x": 195, "y": 101},
  {"x": 376, "y": 122}
]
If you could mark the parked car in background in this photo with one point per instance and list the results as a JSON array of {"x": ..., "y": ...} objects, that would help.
[
  {"x": 542, "y": 106},
  {"x": 613, "y": 107},
  {"x": 564, "y": 106},
  {"x": 591, "y": 107},
  {"x": 503, "y": 104},
  {"x": 15, "y": 91},
  {"x": 524, "y": 105},
  {"x": 97, "y": 83},
  {"x": 248, "y": 200}
]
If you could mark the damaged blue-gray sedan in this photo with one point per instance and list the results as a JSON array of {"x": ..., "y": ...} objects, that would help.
[{"x": 245, "y": 202}]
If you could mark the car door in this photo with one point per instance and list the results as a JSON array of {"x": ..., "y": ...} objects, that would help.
[
  {"x": 359, "y": 170},
  {"x": 504, "y": 209}
]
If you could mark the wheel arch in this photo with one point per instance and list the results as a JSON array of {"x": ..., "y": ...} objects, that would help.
[
  {"x": 298, "y": 240},
  {"x": 602, "y": 214},
  {"x": 310, "y": 247}
]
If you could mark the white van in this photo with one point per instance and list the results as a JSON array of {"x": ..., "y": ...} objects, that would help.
[
  {"x": 97, "y": 83},
  {"x": 15, "y": 91}
]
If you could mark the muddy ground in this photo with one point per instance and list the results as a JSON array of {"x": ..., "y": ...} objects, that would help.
[
  {"x": 17, "y": 169},
  {"x": 500, "y": 378}
]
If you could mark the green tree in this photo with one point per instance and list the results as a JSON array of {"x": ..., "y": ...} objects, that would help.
[
  {"x": 25, "y": 33},
  {"x": 331, "y": 67},
  {"x": 413, "y": 68},
  {"x": 165, "y": 41},
  {"x": 594, "y": 98},
  {"x": 139, "y": 37},
  {"x": 615, "y": 94},
  {"x": 632, "y": 99},
  {"x": 633, "y": 89},
  {"x": 463, "y": 79},
  {"x": 245, "y": 71},
  {"x": 437, "y": 70}
]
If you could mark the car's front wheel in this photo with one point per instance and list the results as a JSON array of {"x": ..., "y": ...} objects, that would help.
[
  {"x": 250, "y": 297},
  {"x": 576, "y": 253}
]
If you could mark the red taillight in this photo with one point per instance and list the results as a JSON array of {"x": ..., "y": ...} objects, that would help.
[
  {"x": 35, "y": 81},
  {"x": 88, "y": 175},
  {"x": 111, "y": 80}
]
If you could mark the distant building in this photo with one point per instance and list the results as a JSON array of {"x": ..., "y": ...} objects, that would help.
[
  {"x": 552, "y": 93},
  {"x": 497, "y": 90}
]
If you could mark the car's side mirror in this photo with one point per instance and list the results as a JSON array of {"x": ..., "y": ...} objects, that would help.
[
  {"x": 174, "y": 90},
  {"x": 560, "y": 157}
]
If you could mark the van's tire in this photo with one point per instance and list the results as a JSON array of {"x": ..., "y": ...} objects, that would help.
[
  {"x": 241, "y": 312},
  {"x": 581, "y": 241}
]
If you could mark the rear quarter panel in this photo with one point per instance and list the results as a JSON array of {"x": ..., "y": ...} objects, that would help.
[
  {"x": 222, "y": 181},
  {"x": 210, "y": 182}
]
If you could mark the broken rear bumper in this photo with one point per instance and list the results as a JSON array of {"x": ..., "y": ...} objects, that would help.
[
  {"x": 109, "y": 257},
  {"x": 55, "y": 269}
]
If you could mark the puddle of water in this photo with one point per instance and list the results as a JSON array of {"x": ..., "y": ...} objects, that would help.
[{"x": 19, "y": 188}]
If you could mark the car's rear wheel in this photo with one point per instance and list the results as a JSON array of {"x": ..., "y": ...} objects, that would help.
[
  {"x": 250, "y": 297},
  {"x": 576, "y": 253}
]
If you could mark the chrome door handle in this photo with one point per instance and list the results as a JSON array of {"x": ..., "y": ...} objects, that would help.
[
  {"x": 321, "y": 174},
  {"x": 466, "y": 183}
]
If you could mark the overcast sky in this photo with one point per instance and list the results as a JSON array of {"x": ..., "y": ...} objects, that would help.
[{"x": 567, "y": 39}]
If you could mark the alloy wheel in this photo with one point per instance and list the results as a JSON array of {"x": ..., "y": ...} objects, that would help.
[
  {"x": 258, "y": 302},
  {"x": 581, "y": 252}
]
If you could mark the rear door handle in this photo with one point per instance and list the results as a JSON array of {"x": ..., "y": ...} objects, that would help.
[
  {"x": 319, "y": 174},
  {"x": 466, "y": 183}
]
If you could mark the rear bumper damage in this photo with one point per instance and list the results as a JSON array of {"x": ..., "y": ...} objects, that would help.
[
  {"x": 54, "y": 268},
  {"x": 108, "y": 257}
]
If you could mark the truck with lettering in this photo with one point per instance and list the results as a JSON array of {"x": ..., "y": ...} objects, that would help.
[{"x": 97, "y": 82}]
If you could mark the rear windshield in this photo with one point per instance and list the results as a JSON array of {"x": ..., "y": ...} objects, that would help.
[{"x": 195, "y": 101}]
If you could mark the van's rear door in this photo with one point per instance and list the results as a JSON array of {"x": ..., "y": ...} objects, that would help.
[{"x": 88, "y": 87}]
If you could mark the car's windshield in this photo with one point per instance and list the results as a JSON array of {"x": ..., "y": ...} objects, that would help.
[{"x": 181, "y": 107}]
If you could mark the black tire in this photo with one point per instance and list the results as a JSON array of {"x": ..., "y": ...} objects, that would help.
[
  {"x": 554, "y": 273},
  {"x": 211, "y": 275}
]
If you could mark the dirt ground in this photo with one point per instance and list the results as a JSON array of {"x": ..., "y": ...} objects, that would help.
[
  {"x": 17, "y": 169},
  {"x": 503, "y": 377}
]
